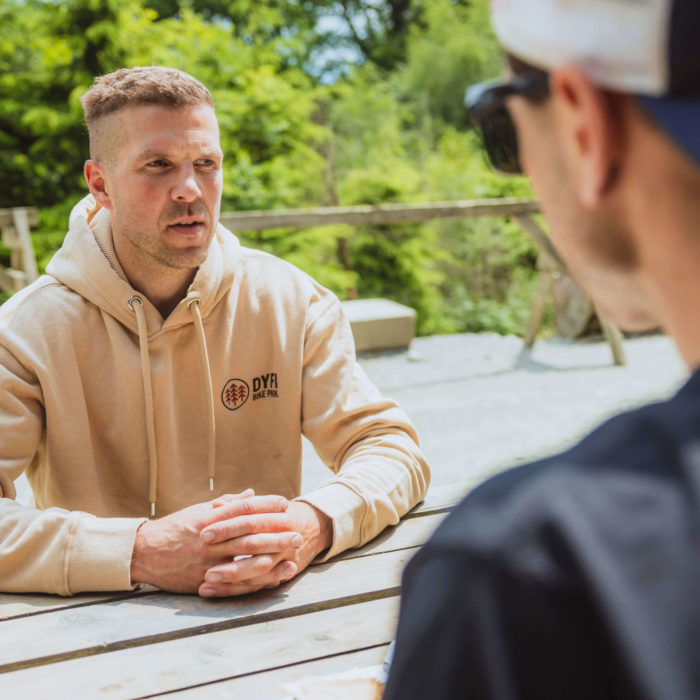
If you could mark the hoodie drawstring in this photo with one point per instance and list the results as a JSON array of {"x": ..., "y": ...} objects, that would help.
[
  {"x": 136, "y": 305},
  {"x": 193, "y": 308}
]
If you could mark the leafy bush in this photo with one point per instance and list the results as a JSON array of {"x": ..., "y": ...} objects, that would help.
[{"x": 389, "y": 126}]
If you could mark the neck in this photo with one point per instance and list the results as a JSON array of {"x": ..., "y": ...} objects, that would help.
[
  {"x": 666, "y": 213},
  {"x": 163, "y": 286},
  {"x": 165, "y": 294},
  {"x": 673, "y": 287}
]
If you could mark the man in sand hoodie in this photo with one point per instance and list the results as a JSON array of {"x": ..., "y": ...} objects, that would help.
[{"x": 160, "y": 372}]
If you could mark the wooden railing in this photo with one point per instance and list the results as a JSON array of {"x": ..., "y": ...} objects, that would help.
[
  {"x": 15, "y": 223},
  {"x": 549, "y": 263},
  {"x": 376, "y": 215}
]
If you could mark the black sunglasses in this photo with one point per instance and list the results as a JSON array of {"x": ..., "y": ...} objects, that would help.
[{"x": 487, "y": 109}]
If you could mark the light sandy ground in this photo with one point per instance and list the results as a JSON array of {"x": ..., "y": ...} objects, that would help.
[{"x": 481, "y": 404}]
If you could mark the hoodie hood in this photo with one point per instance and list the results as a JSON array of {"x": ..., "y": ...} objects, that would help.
[{"x": 87, "y": 263}]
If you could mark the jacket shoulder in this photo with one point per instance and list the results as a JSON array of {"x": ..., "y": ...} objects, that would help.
[
  {"x": 35, "y": 303},
  {"x": 267, "y": 264},
  {"x": 266, "y": 274}
]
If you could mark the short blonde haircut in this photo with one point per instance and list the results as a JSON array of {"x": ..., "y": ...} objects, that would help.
[{"x": 143, "y": 85}]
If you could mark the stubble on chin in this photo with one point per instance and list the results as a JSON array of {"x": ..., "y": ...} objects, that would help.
[
  {"x": 152, "y": 253},
  {"x": 184, "y": 257}
]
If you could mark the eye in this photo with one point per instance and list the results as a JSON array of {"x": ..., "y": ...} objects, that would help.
[
  {"x": 206, "y": 163},
  {"x": 158, "y": 163}
]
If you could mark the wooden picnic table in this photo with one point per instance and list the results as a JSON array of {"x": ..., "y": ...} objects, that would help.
[{"x": 331, "y": 618}]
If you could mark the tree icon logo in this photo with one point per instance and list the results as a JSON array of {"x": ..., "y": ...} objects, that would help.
[{"x": 235, "y": 393}]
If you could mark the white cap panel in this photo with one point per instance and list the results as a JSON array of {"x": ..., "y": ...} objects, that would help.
[{"x": 622, "y": 44}]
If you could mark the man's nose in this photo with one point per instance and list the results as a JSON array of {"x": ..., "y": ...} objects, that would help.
[{"x": 186, "y": 188}]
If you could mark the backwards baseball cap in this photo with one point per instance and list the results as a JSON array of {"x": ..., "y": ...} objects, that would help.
[{"x": 650, "y": 48}]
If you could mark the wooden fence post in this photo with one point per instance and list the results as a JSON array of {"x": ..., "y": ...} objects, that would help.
[
  {"x": 15, "y": 233},
  {"x": 550, "y": 266}
]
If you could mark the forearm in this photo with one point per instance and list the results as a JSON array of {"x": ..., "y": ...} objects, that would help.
[{"x": 364, "y": 437}]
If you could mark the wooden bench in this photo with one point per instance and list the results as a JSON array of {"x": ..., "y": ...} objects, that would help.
[{"x": 380, "y": 324}]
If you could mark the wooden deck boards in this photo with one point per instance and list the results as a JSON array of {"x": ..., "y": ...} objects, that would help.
[{"x": 223, "y": 655}]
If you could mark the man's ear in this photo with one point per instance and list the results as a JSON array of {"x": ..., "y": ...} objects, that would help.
[
  {"x": 97, "y": 181},
  {"x": 589, "y": 120}
]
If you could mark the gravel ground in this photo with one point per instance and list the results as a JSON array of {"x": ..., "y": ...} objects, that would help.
[{"x": 481, "y": 403}]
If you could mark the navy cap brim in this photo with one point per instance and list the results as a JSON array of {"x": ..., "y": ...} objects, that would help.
[{"x": 679, "y": 117}]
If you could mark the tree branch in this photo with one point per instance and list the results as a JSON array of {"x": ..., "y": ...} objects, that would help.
[{"x": 365, "y": 47}]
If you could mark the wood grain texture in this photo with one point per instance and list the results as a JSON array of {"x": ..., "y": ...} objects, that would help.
[
  {"x": 206, "y": 658},
  {"x": 24, "y": 604},
  {"x": 268, "y": 685},
  {"x": 95, "y": 629}
]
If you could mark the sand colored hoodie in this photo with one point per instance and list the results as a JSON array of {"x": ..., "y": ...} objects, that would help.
[{"x": 115, "y": 413}]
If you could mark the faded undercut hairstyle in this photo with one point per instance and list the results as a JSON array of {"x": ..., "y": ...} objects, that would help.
[{"x": 128, "y": 87}]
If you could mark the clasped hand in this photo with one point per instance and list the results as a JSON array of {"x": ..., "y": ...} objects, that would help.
[{"x": 235, "y": 544}]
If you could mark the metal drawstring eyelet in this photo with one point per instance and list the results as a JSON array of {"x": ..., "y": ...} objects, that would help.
[
  {"x": 132, "y": 300},
  {"x": 192, "y": 301}
]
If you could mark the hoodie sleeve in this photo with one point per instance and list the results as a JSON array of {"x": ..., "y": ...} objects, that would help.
[
  {"x": 365, "y": 438},
  {"x": 53, "y": 550}
]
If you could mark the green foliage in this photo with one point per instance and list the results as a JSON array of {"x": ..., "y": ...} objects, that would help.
[
  {"x": 389, "y": 126},
  {"x": 53, "y": 224},
  {"x": 454, "y": 48},
  {"x": 491, "y": 269}
]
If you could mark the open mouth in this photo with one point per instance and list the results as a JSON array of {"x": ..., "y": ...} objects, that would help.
[{"x": 190, "y": 228}]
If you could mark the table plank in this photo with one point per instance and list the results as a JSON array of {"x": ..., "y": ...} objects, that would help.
[
  {"x": 99, "y": 628},
  {"x": 205, "y": 658},
  {"x": 23, "y": 604},
  {"x": 267, "y": 685}
]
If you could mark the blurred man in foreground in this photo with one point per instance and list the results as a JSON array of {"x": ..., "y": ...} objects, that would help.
[{"x": 577, "y": 576}]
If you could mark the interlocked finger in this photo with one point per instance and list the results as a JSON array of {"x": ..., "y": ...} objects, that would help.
[
  {"x": 258, "y": 543},
  {"x": 254, "y": 567},
  {"x": 246, "y": 524},
  {"x": 228, "y": 497},
  {"x": 218, "y": 581}
]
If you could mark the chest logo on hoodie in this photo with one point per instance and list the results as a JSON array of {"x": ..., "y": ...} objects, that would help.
[
  {"x": 265, "y": 386},
  {"x": 235, "y": 393}
]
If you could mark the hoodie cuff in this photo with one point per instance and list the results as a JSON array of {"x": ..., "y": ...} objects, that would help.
[
  {"x": 99, "y": 558},
  {"x": 347, "y": 512}
]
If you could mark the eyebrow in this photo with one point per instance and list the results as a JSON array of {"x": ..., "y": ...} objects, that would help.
[{"x": 155, "y": 154}]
